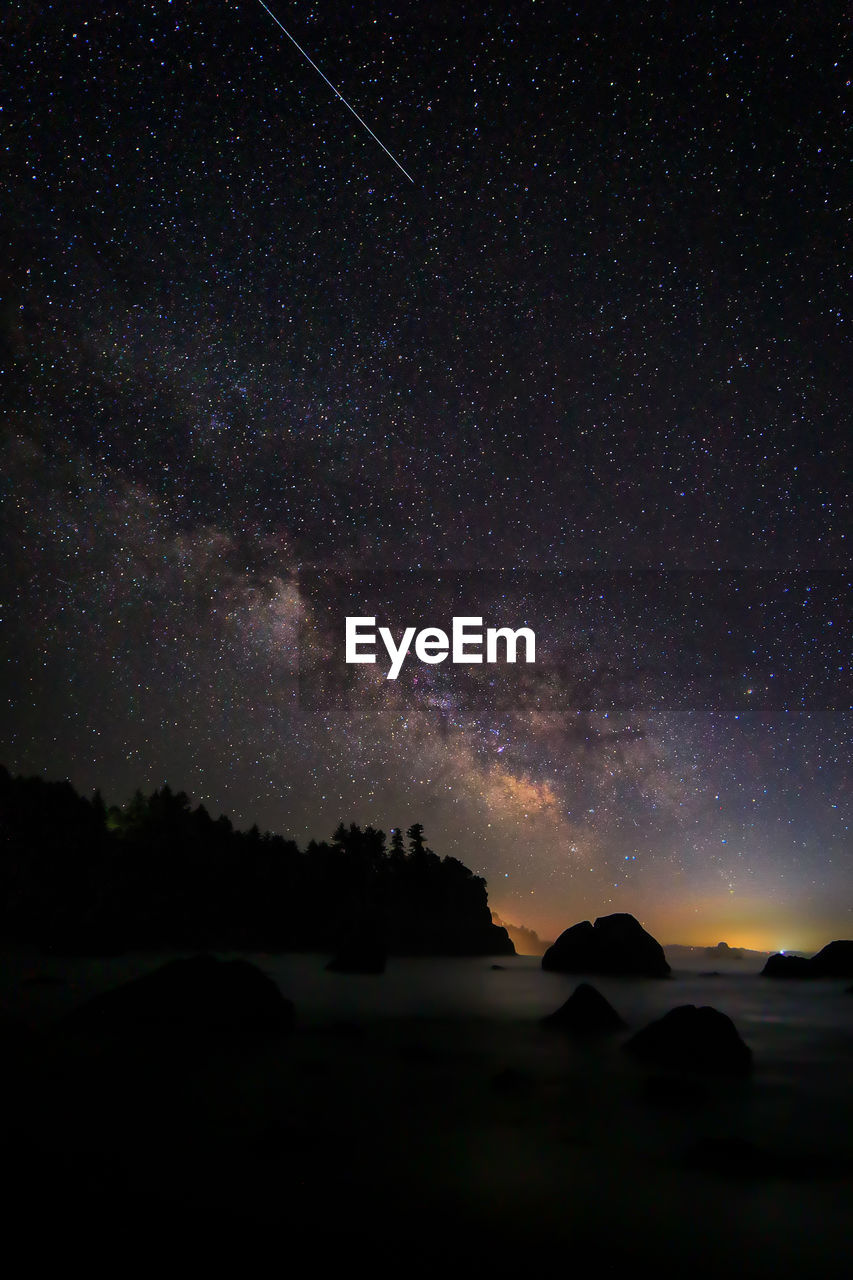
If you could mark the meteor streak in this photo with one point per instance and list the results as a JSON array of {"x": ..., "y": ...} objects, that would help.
[{"x": 335, "y": 91}]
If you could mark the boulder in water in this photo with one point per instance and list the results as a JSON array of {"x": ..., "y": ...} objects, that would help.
[
  {"x": 615, "y": 944},
  {"x": 693, "y": 1039},
  {"x": 586, "y": 1012}
]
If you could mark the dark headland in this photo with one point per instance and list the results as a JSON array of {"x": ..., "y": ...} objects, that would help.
[{"x": 82, "y": 879}]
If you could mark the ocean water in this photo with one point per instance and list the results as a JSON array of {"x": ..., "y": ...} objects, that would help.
[
  {"x": 787, "y": 1023},
  {"x": 437, "y": 1077},
  {"x": 801, "y": 1033}
]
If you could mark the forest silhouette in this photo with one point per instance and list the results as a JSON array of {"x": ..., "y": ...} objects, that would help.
[{"x": 78, "y": 877}]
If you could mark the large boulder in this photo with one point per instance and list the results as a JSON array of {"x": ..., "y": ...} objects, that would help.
[
  {"x": 782, "y": 966},
  {"x": 615, "y": 944},
  {"x": 692, "y": 1039},
  {"x": 586, "y": 1012},
  {"x": 199, "y": 993}
]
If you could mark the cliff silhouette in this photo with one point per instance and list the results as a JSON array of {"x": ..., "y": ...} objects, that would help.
[
  {"x": 526, "y": 941},
  {"x": 79, "y": 878}
]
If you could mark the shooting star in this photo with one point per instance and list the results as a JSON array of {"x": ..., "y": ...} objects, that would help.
[{"x": 335, "y": 91}]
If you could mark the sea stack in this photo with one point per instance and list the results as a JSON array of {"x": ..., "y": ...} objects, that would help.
[{"x": 616, "y": 944}]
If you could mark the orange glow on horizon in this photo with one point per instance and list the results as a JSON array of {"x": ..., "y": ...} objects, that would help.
[{"x": 751, "y": 927}]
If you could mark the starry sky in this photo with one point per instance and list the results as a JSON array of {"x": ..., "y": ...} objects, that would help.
[{"x": 585, "y": 373}]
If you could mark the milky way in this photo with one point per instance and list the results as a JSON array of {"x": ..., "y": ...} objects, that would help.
[{"x": 586, "y": 375}]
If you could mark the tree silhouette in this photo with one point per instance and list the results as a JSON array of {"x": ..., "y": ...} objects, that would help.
[
  {"x": 416, "y": 839},
  {"x": 79, "y": 877},
  {"x": 398, "y": 848}
]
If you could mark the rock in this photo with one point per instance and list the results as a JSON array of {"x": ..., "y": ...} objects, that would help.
[
  {"x": 835, "y": 960},
  {"x": 782, "y": 966},
  {"x": 200, "y": 993},
  {"x": 614, "y": 944},
  {"x": 586, "y": 1012},
  {"x": 722, "y": 951},
  {"x": 525, "y": 941},
  {"x": 675, "y": 1092},
  {"x": 693, "y": 1039}
]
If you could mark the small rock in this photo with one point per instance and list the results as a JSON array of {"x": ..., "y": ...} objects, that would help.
[{"x": 585, "y": 1012}]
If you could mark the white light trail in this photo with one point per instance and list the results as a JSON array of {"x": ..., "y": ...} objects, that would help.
[{"x": 335, "y": 91}]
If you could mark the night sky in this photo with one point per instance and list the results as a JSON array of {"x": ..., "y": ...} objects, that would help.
[{"x": 586, "y": 373}]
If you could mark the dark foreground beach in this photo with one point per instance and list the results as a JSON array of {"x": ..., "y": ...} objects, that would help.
[{"x": 424, "y": 1120}]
